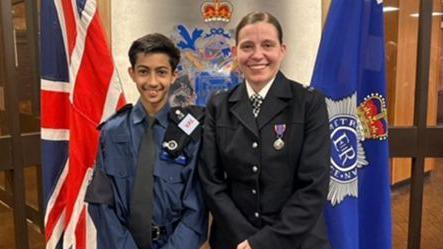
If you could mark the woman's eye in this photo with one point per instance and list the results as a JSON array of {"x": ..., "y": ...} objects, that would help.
[{"x": 268, "y": 45}]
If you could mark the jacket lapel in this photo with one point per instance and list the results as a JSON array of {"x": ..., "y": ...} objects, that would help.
[
  {"x": 276, "y": 100},
  {"x": 242, "y": 108}
]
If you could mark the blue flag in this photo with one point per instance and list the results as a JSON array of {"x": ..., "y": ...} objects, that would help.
[{"x": 350, "y": 71}]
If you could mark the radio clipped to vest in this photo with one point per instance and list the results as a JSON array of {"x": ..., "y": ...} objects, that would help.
[{"x": 185, "y": 125}]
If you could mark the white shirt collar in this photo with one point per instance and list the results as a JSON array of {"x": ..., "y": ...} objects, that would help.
[{"x": 263, "y": 92}]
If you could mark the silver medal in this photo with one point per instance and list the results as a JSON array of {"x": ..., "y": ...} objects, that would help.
[{"x": 279, "y": 144}]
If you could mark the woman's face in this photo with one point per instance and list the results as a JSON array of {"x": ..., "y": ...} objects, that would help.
[{"x": 259, "y": 53}]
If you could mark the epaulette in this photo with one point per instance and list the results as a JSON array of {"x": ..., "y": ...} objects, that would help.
[
  {"x": 121, "y": 110},
  {"x": 185, "y": 125},
  {"x": 309, "y": 88},
  {"x": 221, "y": 91}
]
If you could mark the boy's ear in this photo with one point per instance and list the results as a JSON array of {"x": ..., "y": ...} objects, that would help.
[
  {"x": 131, "y": 72},
  {"x": 174, "y": 76},
  {"x": 234, "y": 51}
]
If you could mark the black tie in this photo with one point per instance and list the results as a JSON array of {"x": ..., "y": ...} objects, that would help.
[
  {"x": 141, "y": 204},
  {"x": 256, "y": 101}
]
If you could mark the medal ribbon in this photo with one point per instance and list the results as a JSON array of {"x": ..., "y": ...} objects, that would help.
[{"x": 280, "y": 130}]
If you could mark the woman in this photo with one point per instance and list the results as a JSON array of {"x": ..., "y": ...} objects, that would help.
[{"x": 265, "y": 155}]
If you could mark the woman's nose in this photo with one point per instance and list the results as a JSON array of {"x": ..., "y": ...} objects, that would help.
[{"x": 258, "y": 53}]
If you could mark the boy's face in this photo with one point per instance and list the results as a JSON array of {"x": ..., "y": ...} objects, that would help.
[{"x": 153, "y": 75}]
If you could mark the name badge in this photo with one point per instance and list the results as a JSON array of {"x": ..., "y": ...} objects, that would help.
[
  {"x": 181, "y": 159},
  {"x": 188, "y": 124}
]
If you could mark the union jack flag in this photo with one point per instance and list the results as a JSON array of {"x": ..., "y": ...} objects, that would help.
[{"x": 79, "y": 89}]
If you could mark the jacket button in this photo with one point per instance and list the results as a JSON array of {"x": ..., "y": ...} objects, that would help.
[
  {"x": 254, "y": 191},
  {"x": 254, "y": 168},
  {"x": 257, "y": 215},
  {"x": 254, "y": 145}
]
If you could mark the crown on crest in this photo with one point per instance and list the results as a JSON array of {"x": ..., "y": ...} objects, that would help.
[
  {"x": 372, "y": 114},
  {"x": 216, "y": 11}
]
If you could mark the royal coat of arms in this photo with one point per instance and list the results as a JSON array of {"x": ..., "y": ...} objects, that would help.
[{"x": 207, "y": 64}]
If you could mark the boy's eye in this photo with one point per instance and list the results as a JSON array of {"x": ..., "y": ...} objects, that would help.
[
  {"x": 163, "y": 72},
  {"x": 142, "y": 71}
]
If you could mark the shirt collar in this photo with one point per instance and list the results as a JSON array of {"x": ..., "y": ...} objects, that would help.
[
  {"x": 140, "y": 114},
  {"x": 263, "y": 92}
]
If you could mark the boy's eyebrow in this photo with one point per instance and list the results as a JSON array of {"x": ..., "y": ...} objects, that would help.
[
  {"x": 145, "y": 67},
  {"x": 141, "y": 66},
  {"x": 162, "y": 67}
]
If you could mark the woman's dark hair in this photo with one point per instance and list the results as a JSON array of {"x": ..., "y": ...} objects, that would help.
[
  {"x": 258, "y": 16},
  {"x": 155, "y": 43}
]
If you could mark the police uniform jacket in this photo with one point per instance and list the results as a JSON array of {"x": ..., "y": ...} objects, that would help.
[
  {"x": 178, "y": 203},
  {"x": 273, "y": 198}
]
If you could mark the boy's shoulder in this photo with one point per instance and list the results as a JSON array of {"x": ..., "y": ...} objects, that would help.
[{"x": 119, "y": 116}]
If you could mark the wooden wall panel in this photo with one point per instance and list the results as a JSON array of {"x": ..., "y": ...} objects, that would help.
[
  {"x": 435, "y": 65},
  {"x": 434, "y": 75},
  {"x": 391, "y": 40},
  {"x": 406, "y": 64},
  {"x": 2, "y": 57},
  {"x": 402, "y": 89}
]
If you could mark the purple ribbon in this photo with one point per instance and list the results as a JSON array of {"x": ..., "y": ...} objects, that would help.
[{"x": 280, "y": 130}]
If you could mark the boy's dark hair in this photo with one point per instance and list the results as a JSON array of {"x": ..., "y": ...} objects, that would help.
[
  {"x": 154, "y": 43},
  {"x": 255, "y": 17}
]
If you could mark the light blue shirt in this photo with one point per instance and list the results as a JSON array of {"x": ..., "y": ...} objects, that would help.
[{"x": 178, "y": 203}]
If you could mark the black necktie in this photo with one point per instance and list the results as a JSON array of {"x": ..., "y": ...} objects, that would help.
[
  {"x": 141, "y": 204},
  {"x": 256, "y": 101}
]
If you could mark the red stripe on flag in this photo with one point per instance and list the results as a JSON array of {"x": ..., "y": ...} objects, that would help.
[
  {"x": 55, "y": 109},
  {"x": 121, "y": 101},
  {"x": 83, "y": 148},
  {"x": 55, "y": 212},
  {"x": 70, "y": 25},
  {"x": 95, "y": 73}
]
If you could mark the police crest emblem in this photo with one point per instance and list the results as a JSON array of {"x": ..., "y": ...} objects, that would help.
[
  {"x": 349, "y": 127},
  {"x": 347, "y": 153}
]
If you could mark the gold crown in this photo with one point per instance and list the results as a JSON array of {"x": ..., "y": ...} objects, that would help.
[
  {"x": 372, "y": 114},
  {"x": 216, "y": 11}
]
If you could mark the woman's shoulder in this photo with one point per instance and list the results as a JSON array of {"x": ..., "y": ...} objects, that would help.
[
  {"x": 220, "y": 96},
  {"x": 304, "y": 88}
]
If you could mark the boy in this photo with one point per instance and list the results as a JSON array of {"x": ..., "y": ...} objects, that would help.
[{"x": 144, "y": 192}]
